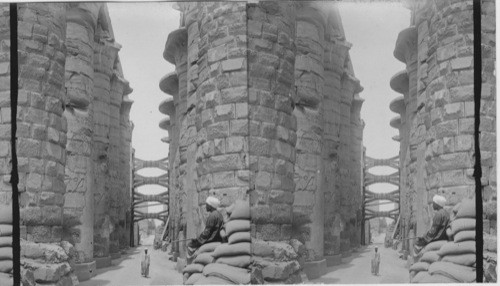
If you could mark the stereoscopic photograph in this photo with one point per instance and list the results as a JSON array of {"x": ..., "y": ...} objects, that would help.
[{"x": 248, "y": 142}]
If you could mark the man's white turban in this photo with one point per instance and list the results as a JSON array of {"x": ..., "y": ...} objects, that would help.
[
  {"x": 439, "y": 200},
  {"x": 213, "y": 201}
]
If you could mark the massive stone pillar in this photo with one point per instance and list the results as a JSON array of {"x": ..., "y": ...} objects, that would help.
[
  {"x": 350, "y": 86},
  {"x": 308, "y": 205},
  {"x": 41, "y": 142},
  {"x": 125, "y": 163},
  {"x": 6, "y": 219},
  {"x": 119, "y": 200},
  {"x": 176, "y": 51},
  {"x": 105, "y": 53},
  {"x": 79, "y": 113},
  {"x": 446, "y": 103},
  {"x": 357, "y": 166},
  {"x": 271, "y": 61},
  {"x": 336, "y": 51}
]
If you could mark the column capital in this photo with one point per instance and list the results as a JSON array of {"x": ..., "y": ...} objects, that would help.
[
  {"x": 400, "y": 82},
  {"x": 406, "y": 45},
  {"x": 176, "y": 45},
  {"x": 167, "y": 106},
  {"x": 397, "y": 105},
  {"x": 165, "y": 123},
  {"x": 396, "y": 122},
  {"x": 169, "y": 84}
]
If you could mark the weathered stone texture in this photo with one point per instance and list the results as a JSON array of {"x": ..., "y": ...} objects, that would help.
[
  {"x": 437, "y": 144},
  {"x": 258, "y": 111},
  {"x": 66, "y": 92}
]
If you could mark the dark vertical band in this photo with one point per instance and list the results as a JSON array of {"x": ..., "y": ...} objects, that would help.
[
  {"x": 14, "y": 176},
  {"x": 477, "y": 150}
]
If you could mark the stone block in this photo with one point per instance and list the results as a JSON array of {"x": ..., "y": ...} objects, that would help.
[
  {"x": 102, "y": 262},
  {"x": 235, "y": 144},
  {"x": 462, "y": 63},
  {"x": 48, "y": 272},
  {"x": 332, "y": 260},
  {"x": 233, "y": 64},
  {"x": 315, "y": 269},
  {"x": 85, "y": 271},
  {"x": 234, "y": 94},
  {"x": 260, "y": 214},
  {"x": 239, "y": 127},
  {"x": 490, "y": 243}
]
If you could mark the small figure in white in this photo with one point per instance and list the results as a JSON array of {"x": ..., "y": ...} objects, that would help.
[
  {"x": 376, "y": 262},
  {"x": 145, "y": 264}
]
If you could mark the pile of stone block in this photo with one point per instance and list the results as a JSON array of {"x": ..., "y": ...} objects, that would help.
[
  {"x": 229, "y": 262},
  {"x": 451, "y": 261},
  {"x": 6, "y": 245}
]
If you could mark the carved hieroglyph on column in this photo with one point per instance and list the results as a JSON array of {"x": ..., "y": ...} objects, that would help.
[{"x": 79, "y": 75}]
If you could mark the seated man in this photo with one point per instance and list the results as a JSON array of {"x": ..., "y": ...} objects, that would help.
[
  {"x": 439, "y": 224},
  {"x": 213, "y": 226}
]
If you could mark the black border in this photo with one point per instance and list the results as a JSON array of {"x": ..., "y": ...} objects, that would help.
[
  {"x": 14, "y": 176},
  {"x": 477, "y": 150}
]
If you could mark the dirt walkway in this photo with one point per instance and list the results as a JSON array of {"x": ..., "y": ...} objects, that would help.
[{"x": 356, "y": 269}]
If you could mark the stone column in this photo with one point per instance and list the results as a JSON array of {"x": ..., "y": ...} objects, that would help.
[
  {"x": 271, "y": 61},
  {"x": 41, "y": 140},
  {"x": 357, "y": 167},
  {"x": 105, "y": 54},
  {"x": 79, "y": 113},
  {"x": 176, "y": 50},
  {"x": 308, "y": 205},
  {"x": 125, "y": 159},
  {"x": 446, "y": 102},
  {"x": 336, "y": 51},
  {"x": 350, "y": 85},
  {"x": 6, "y": 219}
]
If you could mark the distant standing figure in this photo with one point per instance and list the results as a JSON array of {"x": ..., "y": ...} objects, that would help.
[
  {"x": 145, "y": 264},
  {"x": 376, "y": 262}
]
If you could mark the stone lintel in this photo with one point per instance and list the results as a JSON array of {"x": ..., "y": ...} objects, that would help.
[
  {"x": 176, "y": 44},
  {"x": 167, "y": 106},
  {"x": 396, "y": 122},
  {"x": 397, "y": 105},
  {"x": 165, "y": 123},
  {"x": 400, "y": 82},
  {"x": 406, "y": 44},
  {"x": 85, "y": 271},
  {"x": 169, "y": 84},
  {"x": 315, "y": 269}
]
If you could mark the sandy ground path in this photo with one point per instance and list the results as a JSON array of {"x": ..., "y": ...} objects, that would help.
[
  {"x": 127, "y": 269},
  {"x": 357, "y": 267}
]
